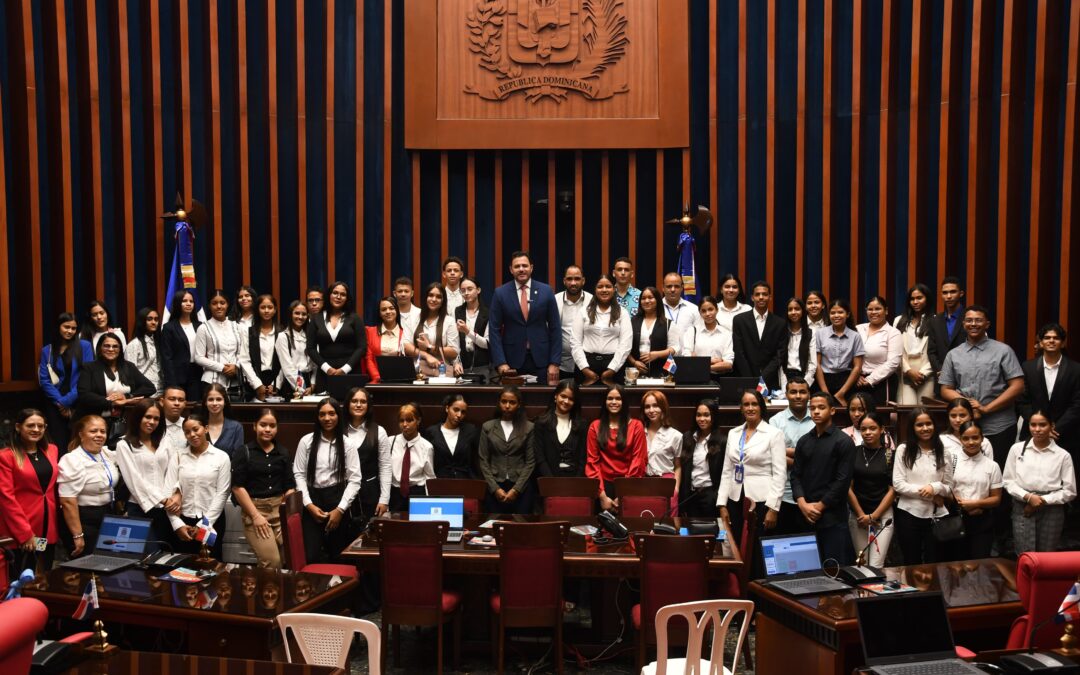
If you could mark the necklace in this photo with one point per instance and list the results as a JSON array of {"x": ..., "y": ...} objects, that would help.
[{"x": 867, "y": 460}]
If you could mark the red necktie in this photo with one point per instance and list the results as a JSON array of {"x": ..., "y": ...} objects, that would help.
[
  {"x": 525, "y": 301},
  {"x": 403, "y": 480}
]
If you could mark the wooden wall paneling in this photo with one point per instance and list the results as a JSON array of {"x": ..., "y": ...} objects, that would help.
[
  {"x": 631, "y": 212},
  {"x": 826, "y": 147},
  {"x": 1036, "y": 302},
  {"x": 578, "y": 196},
  {"x": 5, "y": 285},
  {"x": 66, "y": 167},
  {"x": 1068, "y": 164},
  {"x": 497, "y": 266},
  {"x": 301, "y": 151},
  {"x": 387, "y": 145},
  {"x": 800, "y": 151},
  {"x": 358, "y": 153},
  {"x": 525, "y": 199},
  {"x": 913, "y": 238},
  {"x": 973, "y": 141},
  {"x": 659, "y": 227},
  {"x": 275, "y": 210},
  {"x": 444, "y": 205},
  {"x": 856, "y": 125},
  {"x": 714, "y": 181},
  {"x": 158, "y": 148},
  {"x": 331, "y": 209},
  {"x": 217, "y": 145},
  {"x": 605, "y": 213},
  {"x": 416, "y": 212},
  {"x": 34, "y": 198},
  {"x": 1005, "y": 150},
  {"x": 185, "y": 87},
  {"x": 686, "y": 175},
  {"x": 943, "y": 144},
  {"x": 770, "y": 140},
  {"x": 552, "y": 208},
  {"x": 470, "y": 209},
  {"x": 125, "y": 149},
  {"x": 245, "y": 159},
  {"x": 95, "y": 135},
  {"x": 742, "y": 148},
  {"x": 884, "y": 240}
]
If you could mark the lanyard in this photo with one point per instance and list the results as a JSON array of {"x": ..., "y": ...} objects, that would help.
[
  {"x": 739, "y": 469},
  {"x": 104, "y": 463},
  {"x": 678, "y": 309}
]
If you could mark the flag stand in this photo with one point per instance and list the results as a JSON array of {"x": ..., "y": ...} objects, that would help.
[
  {"x": 1068, "y": 642},
  {"x": 204, "y": 556},
  {"x": 100, "y": 647}
]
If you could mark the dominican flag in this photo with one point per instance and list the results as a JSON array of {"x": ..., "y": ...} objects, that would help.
[
  {"x": 182, "y": 275},
  {"x": 88, "y": 603},
  {"x": 670, "y": 365},
  {"x": 205, "y": 532},
  {"x": 206, "y": 598},
  {"x": 1069, "y": 612},
  {"x": 762, "y": 388}
]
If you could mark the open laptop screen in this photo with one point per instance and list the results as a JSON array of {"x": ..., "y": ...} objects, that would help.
[
  {"x": 790, "y": 554},
  {"x": 449, "y": 509},
  {"x": 123, "y": 535},
  {"x": 904, "y": 627}
]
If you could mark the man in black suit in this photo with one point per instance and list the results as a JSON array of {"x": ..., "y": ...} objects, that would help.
[
  {"x": 946, "y": 329},
  {"x": 1052, "y": 384},
  {"x": 759, "y": 335}
]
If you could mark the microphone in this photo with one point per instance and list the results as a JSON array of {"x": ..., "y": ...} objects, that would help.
[
  {"x": 15, "y": 589},
  {"x": 113, "y": 542},
  {"x": 660, "y": 528},
  {"x": 1037, "y": 627},
  {"x": 861, "y": 558}
]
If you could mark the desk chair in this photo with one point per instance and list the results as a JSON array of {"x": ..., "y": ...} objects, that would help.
[
  {"x": 473, "y": 490},
  {"x": 325, "y": 640},
  {"x": 23, "y": 619},
  {"x": 719, "y": 613},
  {"x": 411, "y": 561},
  {"x": 647, "y": 493},
  {"x": 530, "y": 581},
  {"x": 568, "y": 496},
  {"x": 292, "y": 536},
  {"x": 674, "y": 570}
]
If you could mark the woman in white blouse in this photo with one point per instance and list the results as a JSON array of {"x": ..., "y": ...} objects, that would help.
[
  {"x": 87, "y": 484},
  {"x": 411, "y": 478},
  {"x": 916, "y": 374},
  {"x": 434, "y": 342},
  {"x": 921, "y": 478},
  {"x": 663, "y": 440},
  {"x": 959, "y": 412},
  {"x": 712, "y": 341},
  {"x": 99, "y": 322},
  {"x": 217, "y": 347},
  {"x": 258, "y": 354},
  {"x": 655, "y": 337},
  {"x": 816, "y": 317},
  {"x": 149, "y": 468},
  {"x": 755, "y": 466},
  {"x": 373, "y": 449},
  {"x": 144, "y": 349},
  {"x": 799, "y": 354},
  {"x": 205, "y": 477},
  {"x": 1039, "y": 476},
  {"x": 243, "y": 308},
  {"x": 884, "y": 347},
  {"x": 602, "y": 335},
  {"x": 471, "y": 320},
  {"x": 976, "y": 491},
  {"x": 297, "y": 370},
  {"x": 730, "y": 302}
]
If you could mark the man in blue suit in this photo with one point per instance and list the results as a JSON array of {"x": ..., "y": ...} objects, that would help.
[{"x": 525, "y": 334}]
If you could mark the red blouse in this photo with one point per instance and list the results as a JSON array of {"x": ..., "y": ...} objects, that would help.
[
  {"x": 607, "y": 463},
  {"x": 22, "y": 503}
]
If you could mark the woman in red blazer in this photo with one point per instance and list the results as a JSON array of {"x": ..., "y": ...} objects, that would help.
[
  {"x": 28, "y": 491},
  {"x": 389, "y": 326}
]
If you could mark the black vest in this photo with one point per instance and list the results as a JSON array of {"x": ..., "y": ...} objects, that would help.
[
  {"x": 369, "y": 467},
  {"x": 477, "y": 357},
  {"x": 657, "y": 341},
  {"x": 269, "y": 372}
]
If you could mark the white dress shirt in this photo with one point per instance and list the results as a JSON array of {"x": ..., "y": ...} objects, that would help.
[
  {"x": 189, "y": 333},
  {"x": 664, "y": 446},
  {"x": 267, "y": 345},
  {"x": 953, "y": 444},
  {"x": 792, "y": 361},
  {"x": 1050, "y": 373},
  {"x": 205, "y": 483},
  {"x": 296, "y": 361},
  {"x": 357, "y": 436},
  {"x": 421, "y": 459},
  {"x": 674, "y": 337},
  {"x": 761, "y": 320},
  {"x": 884, "y": 350},
  {"x": 150, "y": 475},
  {"x": 602, "y": 337},
  {"x": 472, "y": 338},
  {"x": 907, "y": 482},
  {"x": 975, "y": 476},
  {"x": 146, "y": 360},
  {"x": 725, "y": 316},
  {"x": 1047, "y": 473},
  {"x": 217, "y": 344},
  {"x": 326, "y": 469},
  {"x": 568, "y": 314},
  {"x": 715, "y": 343},
  {"x": 391, "y": 340},
  {"x": 430, "y": 329},
  {"x": 454, "y": 299},
  {"x": 174, "y": 439},
  {"x": 764, "y": 467},
  {"x": 409, "y": 319},
  {"x": 89, "y": 478},
  {"x": 686, "y": 315},
  {"x": 699, "y": 474}
]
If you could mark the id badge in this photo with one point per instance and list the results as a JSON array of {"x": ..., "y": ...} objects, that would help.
[
  {"x": 40, "y": 543},
  {"x": 739, "y": 473}
]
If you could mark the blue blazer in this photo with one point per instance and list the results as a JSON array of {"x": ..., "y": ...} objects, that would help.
[
  {"x": 68, "y": 397},
  {"x": 509, "y": 331}
]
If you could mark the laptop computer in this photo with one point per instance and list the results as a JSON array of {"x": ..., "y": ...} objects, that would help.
[
  {"x": 692, "y": 370},
  {"x": 338, "y": 386},
  {"x": 447, "y": 509},
  {"x": 121, "y": 543},
  {"x": 927, "y": 648},
  {"x": 792, "y": 564},
  {"x": 396, "y": 369},
  {"x": 732, "y": 388}
]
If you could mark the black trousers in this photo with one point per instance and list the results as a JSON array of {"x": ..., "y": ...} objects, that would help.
[
  {"x": 701, "y": 504},
  {"x": 835, "y": 381},
  {"x": 321, "y": 546},
  {"x": 522, "y": 505},
  {"x": 913, "y": 534},
  {"x": 399, "y": 503},
  {"x": 735, "y": 516},
  {"x": 977, "y": 541}
]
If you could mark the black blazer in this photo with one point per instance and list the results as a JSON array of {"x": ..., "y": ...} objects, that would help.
[
  {"x": 717, "y": 442},
  {"x": 657, "y": 340},
  {"x": 1063, "y": 407},
  {"x": 939, "y": 344},
  {"x": 255, "y": 354},
  {"x": 175, "y": 355},
  {"x": 545, "y": 442},
  {"x": 754, "y": 356},
  {"x": 349, "y": 348},
  {"x": 478, "y": 357},
  {"x": 805, "y": 338},
  {"x": 92, "y": 394},
  {"x": 462, "y": 462}
]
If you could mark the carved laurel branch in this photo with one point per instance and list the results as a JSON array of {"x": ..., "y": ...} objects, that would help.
[
  {"x": 605, "y": 36},
  {"x": 485, "y": 30}
]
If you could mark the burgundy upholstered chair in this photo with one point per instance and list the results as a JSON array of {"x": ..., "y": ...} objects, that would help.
[
  {"x": 568, "y": 496},
  {"x": 647, "y": 493},
  {"x": 292, "y": 535},
  {"x": 473, "y": 490}
]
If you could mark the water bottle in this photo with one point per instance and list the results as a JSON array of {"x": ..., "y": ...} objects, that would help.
[{"x": 442, "y": 369}]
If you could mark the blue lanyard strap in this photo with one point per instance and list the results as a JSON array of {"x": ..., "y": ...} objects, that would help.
[
  {"x": 742, "y": 446},
  {"x": 104, "y": 463}
]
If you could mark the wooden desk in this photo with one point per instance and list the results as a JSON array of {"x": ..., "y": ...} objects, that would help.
[
  {"x": 582, "y": 558},
  {"x": 819, "y": 634},
  {"x": 123, "y": 662},
  {"x": 240, "y": 621}
]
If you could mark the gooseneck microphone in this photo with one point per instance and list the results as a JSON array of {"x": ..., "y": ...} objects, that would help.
[{"x": 861, "y": 558}]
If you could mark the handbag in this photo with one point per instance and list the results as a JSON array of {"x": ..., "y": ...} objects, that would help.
[{"x": 950, "y": 526}]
